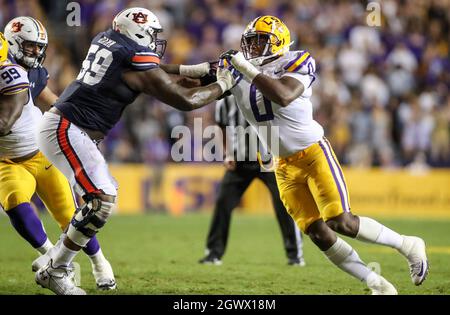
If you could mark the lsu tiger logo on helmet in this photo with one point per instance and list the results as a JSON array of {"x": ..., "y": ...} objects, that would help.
[
  {"x": 3, "y": 49},
  {"x": 265, "y": 37}
]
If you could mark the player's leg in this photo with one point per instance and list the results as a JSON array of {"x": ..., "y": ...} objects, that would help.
[
  {"x": 369, "y": 230},
  {"x": 17, "y": 187},
  {"x": 302, "y": 206},
  {"x": 292, "y": 236},
  {"x": 233, "y": 186},
  {"x": 54, "y": 190},
  {"x": 78, "y": 158}
]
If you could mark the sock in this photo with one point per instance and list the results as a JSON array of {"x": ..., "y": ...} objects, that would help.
[
  {"x": 64, "y": 256},
  {"x": 45, "y": 247},
  {"x": 345, "y": 257},
  {"x": 374, "y": 232},
  {"x": 98, "y": 258},
  {"x": 92, "y": 247},
  {"x": 27, "y": 224}
]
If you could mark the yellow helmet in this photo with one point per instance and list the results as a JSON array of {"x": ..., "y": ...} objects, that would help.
[
  {"x": 3, "y": 48},
  {"x": 265, "y": 37}
]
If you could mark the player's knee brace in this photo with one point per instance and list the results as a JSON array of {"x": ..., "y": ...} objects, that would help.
[{"x": 88, "y": 219}]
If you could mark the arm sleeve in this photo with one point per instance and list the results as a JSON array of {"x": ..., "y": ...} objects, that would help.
[
  {"x": 13, "y": 80},
  {"x": 144, "y": 60}
]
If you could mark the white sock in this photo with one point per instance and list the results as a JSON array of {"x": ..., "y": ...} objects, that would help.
[
  {"x": 374, "y": 232},
  {"x": 45, "y": 247},
  {"x": 345, "y": 257},
  {"x": 64, "y": 256},
  {"x": 98, "y": 258}
]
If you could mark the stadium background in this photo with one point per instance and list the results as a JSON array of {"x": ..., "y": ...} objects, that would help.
[{"x": 381, "y": 95}]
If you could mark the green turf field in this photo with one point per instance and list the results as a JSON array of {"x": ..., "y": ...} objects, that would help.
[{"x": 156, "y": 254}]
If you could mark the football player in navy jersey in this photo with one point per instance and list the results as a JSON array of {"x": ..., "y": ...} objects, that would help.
[
  {"x": 22, "y": 176},
  {"x": 121, "y": 63}
]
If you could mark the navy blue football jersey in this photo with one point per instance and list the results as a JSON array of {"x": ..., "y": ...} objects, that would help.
[
  {"x": 38, "y": 78},
  {"x": 98, "y": 96}
]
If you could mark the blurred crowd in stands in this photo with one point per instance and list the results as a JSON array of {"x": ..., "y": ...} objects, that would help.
[{"x": 381, "y": 92}]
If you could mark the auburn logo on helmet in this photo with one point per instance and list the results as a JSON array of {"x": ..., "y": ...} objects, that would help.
[
  {"x": 140, "y": 18},
  {"x": 16, "y": 27}
]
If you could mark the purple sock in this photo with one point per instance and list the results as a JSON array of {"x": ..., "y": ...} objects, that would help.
[
  {"x": 92, "y": 247},
  {"x": 27, "y": 224}
]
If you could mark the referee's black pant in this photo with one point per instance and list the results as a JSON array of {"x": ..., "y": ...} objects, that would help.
[{"x": 233, "y": 186}]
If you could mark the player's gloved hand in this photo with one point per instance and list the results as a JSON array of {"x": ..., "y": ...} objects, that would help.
[
  {"x": 198, "y": 70},
  {"x": 238, "y": 61},
  {"x": 210, "y": 77},
  {"x": 225, "y": 79}
]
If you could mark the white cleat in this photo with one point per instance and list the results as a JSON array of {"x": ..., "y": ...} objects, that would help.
[
  {"x": 43, "y": 260},
  {"x": 40, "y": 262},
  {"x": 104, "y": 276},
  {"x": 58, "y": 279},
  {"x": 413, "y": 248},
  {"x": 380, "y": 286}
]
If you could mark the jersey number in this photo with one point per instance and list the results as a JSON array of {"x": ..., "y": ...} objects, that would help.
[
  {"x": 10, "y": 75},
  {"x": 93, "y": 71},
  {"x": 255, "y": 109}
]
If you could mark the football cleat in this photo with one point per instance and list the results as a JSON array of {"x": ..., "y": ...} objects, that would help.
[
  {"x": 58, "y": 279},
  {"x": 104, "y": 276},
  {"x": 210, "y": 260},
  {"x": 413, "y": 248},
  {"x": 300, "y": 262},
  {"x": 43, "y": 260},
  {"x": 380, "y": 286}
]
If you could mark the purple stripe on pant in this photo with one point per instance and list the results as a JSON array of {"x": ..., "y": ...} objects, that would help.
[
  {"x": 334, "y": 175},
  {"x": 340, "y": 173}
]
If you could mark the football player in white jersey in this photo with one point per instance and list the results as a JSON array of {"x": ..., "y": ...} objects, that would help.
[
  {"x": 24, "y": 170},
  {"x": 273, "y": 90}
]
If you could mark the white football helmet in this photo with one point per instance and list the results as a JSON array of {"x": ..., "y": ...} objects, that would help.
[
  {"x": 142, "y": 26},
  {"x": 28, "y": 40}
]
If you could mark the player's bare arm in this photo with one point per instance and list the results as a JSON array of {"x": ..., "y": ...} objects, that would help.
[
  {"x": 11, "y": 107},
  {"x": 157, "y": 83},
  {"x": 281, "y": 91},
  {"x": 46, "y": 99}
]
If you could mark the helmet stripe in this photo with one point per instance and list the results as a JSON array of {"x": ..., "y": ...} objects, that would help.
[
  {"x": 35, "y": 24},
  {"x": 255, "y": 20},
  {"x": 42, "y": 28}
]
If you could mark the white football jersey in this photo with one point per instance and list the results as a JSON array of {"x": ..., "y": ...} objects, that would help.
[
  {"x": 296, "y": 127},
  {"x": 21, "y": 141}
]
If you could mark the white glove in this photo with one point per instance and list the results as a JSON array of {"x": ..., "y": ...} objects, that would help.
[
  {"x": 225, "y": 79},
  {"x": 195, "y": 71},
  {"x": 243, "y": 65}
]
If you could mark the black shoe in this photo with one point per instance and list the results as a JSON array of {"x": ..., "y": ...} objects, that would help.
[
  {"x": 210, "y": 260},
  {"x": 300, "y": 262}
]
